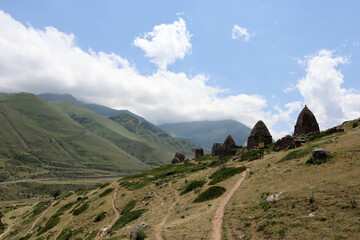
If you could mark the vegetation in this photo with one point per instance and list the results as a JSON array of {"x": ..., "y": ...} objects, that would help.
[
  {"x": 210, "y": 193},
  {"x": 250, "y": 155},
  {"x": 55, "y": 193},
  {"x": 128, "y": 207},
  {"x": 127, "y": 218},
  {"x": 140, "y": 235},
  {"x": 106, "y": 192},
  {"x": 299, "y": 153},
  {"x": 192, "y": 185},
  {"x": 100, "y": 217},
  {"x": 81, "y": 209},
  {"x": 225, "y": 173},
  {"x": 40, "y": 207},
  {"x": 52, "y": 222}
]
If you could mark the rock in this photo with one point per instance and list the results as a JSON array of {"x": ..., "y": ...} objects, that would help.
[
  {"x": 188, "y": 207},
  {"x": 149, "y": 195},
  {"x": 70, "y": 193},
  {"x": 199, "y": 152},
  {"x": 241, "y": 151},
  {"x": 216, "y": 149},
  {"x": 286, "y": 142},
  {"x": 79, "y": 198},
  {"x": 319, "y": 154},
  {"x": 333, "y": 130},
  {"x": 163, "y": 185},
  {"x": 306, "y": 123},
  {"x": 273, "y": 198},
  {"x": 142, "y": 226},
  {"x": 299, "y": 141},
  {"x": 259, "y": 133},
  {"x": 178, "y": 158}
]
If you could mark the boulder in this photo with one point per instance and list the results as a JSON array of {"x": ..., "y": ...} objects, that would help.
[
  {"x": 178, "y": 158},
  {"x": 273, "y": 198},
  {"x": 318, "y": 155},
  {"x": 199, "y": 152},
  {"x": 306, "y": 123},
  {"x": 259, "y": 133},
  {"x": 142, "y": 226},
  {"x": 286, "y": 142}
]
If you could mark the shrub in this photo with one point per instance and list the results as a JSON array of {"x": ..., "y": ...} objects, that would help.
[
  {"x": 140, "y": 235},
  {"x": 100, "y": 217},
  {"x": 250, "y": 156},
  {"x": 225, "y": 173},
  {"x": 192, "y": 185},
  {"x": 126, "y": 218},
  {"x": 52, "y": 222},
  {"x": 40, "y": 207},
  {"x": 81, "y": 209},
  {"x": 65, "y": 207},
  {"x": 55, "y": 193},
  {"x": 104, "y": 185},
  {"x": 353, "y": 203},
  {"x": 355, "y": 124},
  {"x": 106, "y": 192},
  {"x": 210, "y": 193},
  {"x": 296, "y": 154},
  {"x": 128, "y": 207}
]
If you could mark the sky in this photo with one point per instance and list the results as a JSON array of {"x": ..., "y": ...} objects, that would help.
[{"x": 179, "y": 61}]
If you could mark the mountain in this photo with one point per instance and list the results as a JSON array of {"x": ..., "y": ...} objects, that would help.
[
  {"x": 205, "y": 133},
  {"x": 211, "y": 199},
  {"x": 38, "y": 141},
  {"x": 140, "y": 140}
]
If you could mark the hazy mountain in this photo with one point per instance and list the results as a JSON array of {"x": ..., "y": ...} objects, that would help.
[{"x": 205, "y": 133}]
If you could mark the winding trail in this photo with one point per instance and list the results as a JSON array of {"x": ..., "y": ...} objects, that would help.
[
  {"x": 42, "y": 214},
  {"x": 159, "y": 228},
  {"x": 217, "y": 220},
  {"x": 4, "y": 233},
  {"x": 103, "y": 231}
]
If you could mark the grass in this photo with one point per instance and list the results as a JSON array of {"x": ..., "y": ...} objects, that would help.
[
  {"x": 250, "y": 155},
  {"x": 295, "y": 154},
  {"x": 81, "y": 209},
  {"x": 106, "y": 192},
  {"x": 127, "y": 218},
  {"x": 210, "y": 193},
  {"x": 192, "y": 186},
  {"x": 51, "y": 223},
  {"x": 225, "y": 173},
  {"x": 40, "y": 207},
  {"x": 100, "y": 217},
  {"x": 128, "y": 207}
]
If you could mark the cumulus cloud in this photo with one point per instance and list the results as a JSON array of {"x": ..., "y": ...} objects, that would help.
[
  {"x": 49, "y": 60},
  {"x": 166, "y": 43},
  {"x": 322, "y": 91},
  {"x": 240, "y": 32}
]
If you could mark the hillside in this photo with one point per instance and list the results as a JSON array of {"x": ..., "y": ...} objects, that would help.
[
  {"x": 138, "y": 139},
  {"x": 213, "y": 199},
  {"x": 38, "y": 141},
  {"x": 205, "y": 133}
]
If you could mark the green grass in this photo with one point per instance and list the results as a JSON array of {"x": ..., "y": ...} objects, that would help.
[
  {"x": 225, "y": 173},
  {"x": 128, "y": 207},
  {"x": 100, "y": 217},
  {"x": 192, "y": 185},
  {"x": 210, "y": 193},
  {"x": 65, "y": 207},
  {"x": 40, "y": 207},
  {"x": 81, "y": 209},
  {"x": 250, "y": 155},
  {"x": 51, "y": 223},
  {"x": 127, "y": 218},
  {"x": 296, "y": 154},
  {"x": 160, "y": 173},
  {"x": 106, "y": 192}
]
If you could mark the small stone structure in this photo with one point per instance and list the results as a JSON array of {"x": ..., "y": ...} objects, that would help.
[
  {"x": 178, "y": 158},
  {"x": 229, "y": 147},
  {"x": 199, "y": 152},
  {"x": 286, "y": 142},
  {"x": 216, "y": 149},
  {"x": 259, "y": 133},
  {"x": 306, "y": 123}
]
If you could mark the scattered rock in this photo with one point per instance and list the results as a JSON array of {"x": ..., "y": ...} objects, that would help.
[
  {"x": 333, "y": 130},
  {"x": 70, "y": 193},
  {"x": 241, "y": 151},
  {"x": 178, "y": 158},
  {"x": 199, "y": 152},
  {"x": 286, "y": 142},
  {"x": 312, "y": 214},
  {"x": 142, "y": 226},
  {"x": 273, "y": 198},
  {"x": 306, "y": 123},
  {"x": 149, "y": 195},
  {"x": 318, "y": 155},
  {"x": 259, "y": 133},
  {"x": 163, "y": 185},
  {"x": 188, "y": 207}
]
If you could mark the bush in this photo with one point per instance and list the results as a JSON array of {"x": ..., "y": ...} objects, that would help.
[
  {"x": 296, "y": 154},
  {"x": 106, "y": 192},
  {"x": 100, "y": 217},
  {"x": 40, "y": 207},
  {"x": 210, "y": 193},
  {"x": 81, "y": 209},
  {"x": 55, "y": 193},
  {"x": 140, "y": 235},
  {"x": 250, "y": 156},
  {"x": 128, "y": 207},
  {"x": 52, "y": 222},
  {"x": 65, "y": 207},
  {"x": 104, "y": 185},
  {"x": 126, "y": 218},
  {"x": 192, "y": 185},
  {"x": 355, "y": 124},
  {"x": 225, "y": 173}
]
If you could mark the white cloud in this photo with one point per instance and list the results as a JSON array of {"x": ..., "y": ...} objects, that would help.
[
  {"x": 289, "y": 89},
  {"x": 166, "y": 43},
  {"x": 48, "y": 60},
  {"x": 356, "y": 44},
  {"x": 240, "y": 32},
  {"x": 322, "y": 91}
]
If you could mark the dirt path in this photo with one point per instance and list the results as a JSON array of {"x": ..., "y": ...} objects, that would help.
[
  {"x": 4, "y": 233},
  {"x": 42, "y": 214},
  {"x": 103, "y": 231},
  {"x": 217, "y": 220},
  {"x": 160, "y": 198},
  {"x": 159, "y": 228}
]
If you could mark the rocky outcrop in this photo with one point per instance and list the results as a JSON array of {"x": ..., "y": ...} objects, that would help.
[
  {"x": 199, "y": 152},
  {"x": 286, "y": 142},
  {"x": 306, "y": 123},
  {"x": 319, "y": 156},
  {"x": 178, "y": 158},
  {"x": 259, "y": 133},
  {"x": 142, "y": 226},
  {"x": 273, "y": 198}
]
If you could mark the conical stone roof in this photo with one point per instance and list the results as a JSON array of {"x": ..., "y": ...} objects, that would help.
[
  {"x": 229, "y": 143},
  {"x": 306, "y": 123},
  {"x": 259, "y": 133}
]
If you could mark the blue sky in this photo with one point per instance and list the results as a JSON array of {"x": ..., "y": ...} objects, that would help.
[{"x": 242, "y": 60}]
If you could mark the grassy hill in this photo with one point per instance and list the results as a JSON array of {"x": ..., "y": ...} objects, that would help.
[
  {"x": 38, "y": 141},
  {"x": 186, "y": 201},
  {"x": 138, "y": 139},
  {"x": 205, "y": 133}
]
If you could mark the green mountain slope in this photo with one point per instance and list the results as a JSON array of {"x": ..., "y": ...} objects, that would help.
[
  {"x": 37, "y": 140},
  {"x": 147, "y": 146},
  {"x": 205, "y": 133}
]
